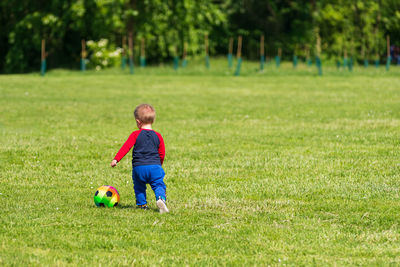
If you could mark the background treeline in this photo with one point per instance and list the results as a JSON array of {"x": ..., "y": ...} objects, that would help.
[{"x": 355, "y": 27}]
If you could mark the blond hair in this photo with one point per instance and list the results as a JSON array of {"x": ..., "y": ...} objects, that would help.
[{"x": 145, "y": 113}]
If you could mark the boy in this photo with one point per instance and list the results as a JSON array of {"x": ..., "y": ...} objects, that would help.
[{"x": 147, "y": 157}]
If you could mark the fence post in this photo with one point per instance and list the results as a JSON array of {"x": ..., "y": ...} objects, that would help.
[
  {"x": 83, "y": 55},
  {"x": 230, "y": 51},
  {"x": 130, "y": 42},
  {"x": 239, "y": 56},
  {"x": 43, "y": 58},
  {"x": 262, "y": 55}
]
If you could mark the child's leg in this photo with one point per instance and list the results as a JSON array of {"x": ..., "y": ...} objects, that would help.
[
  {"x": 139, "y": 186},
  {"x": 157, "y": 182}
]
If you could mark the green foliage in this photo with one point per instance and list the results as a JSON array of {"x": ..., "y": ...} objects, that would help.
[
  {"x": 351, "y": 26},
  {"x": 102, "y": 54}
]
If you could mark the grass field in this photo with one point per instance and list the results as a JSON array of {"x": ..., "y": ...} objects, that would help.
[{"x": 275, "y": 168}]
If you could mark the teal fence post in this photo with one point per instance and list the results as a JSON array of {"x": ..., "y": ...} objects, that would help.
[
  {"x": 365, "y": 63},
  {"x": 338, "y": 64},
  {"x": 350, "y": 64},
  {"x": 319, "y": 65},
  {"x": 43, "y": 58},
  {"x": 176, "y": 62},
  {"x": 83, "y": 55},
  {"x": 377, "y": 63},
  {"x": 262, "y": 60},
  {"x": 123, "y": 62},
  {"x": 123, "y": 54},
  {"x": 142, "y": 58},
  {"x": 345, "y": 62},
  {"x": 388, "y": 60},
  {"x": 131, "y": 65},
  {"x": 83, "y": 64},
  {"x": 43, "y": 67},
  {"x": 184, "y": 63},
  {"x": 294, "y": 61},
  {"x": 309, "y": 62},
  {"x": 230, "y": 59},
  {"x": 184, "y": 60},
  {"x": 142, "y": 61},
  {"x": 277, "y": 61},
  {"x": 130, "y": 53},
  {"x": 239, "y": 63},
  {"x": 207, "y": 58}
]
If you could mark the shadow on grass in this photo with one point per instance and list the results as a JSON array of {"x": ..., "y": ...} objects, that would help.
[
  {"x": 126, "y": 206},
  {"x": 134, "y": 207}
]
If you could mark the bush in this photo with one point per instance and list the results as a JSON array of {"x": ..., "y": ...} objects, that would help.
[{"x": 101, "y": 54}]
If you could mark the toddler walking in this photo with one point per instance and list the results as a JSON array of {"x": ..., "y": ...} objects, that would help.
[{"x": 147, "y": 157}]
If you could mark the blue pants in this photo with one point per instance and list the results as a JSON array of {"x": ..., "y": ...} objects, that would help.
[{"x": 148, "y": 174}]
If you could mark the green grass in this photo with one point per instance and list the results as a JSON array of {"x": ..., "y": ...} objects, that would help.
[{"x": 275, "y": 168}]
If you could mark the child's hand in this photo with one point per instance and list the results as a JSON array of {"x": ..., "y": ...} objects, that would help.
[{"x": 114, "y": 163}]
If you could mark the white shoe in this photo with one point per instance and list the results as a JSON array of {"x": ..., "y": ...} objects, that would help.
[{"x": 161, "y": 205}]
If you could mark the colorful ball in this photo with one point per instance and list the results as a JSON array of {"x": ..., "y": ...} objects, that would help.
[{"x": 106, "y": 196}]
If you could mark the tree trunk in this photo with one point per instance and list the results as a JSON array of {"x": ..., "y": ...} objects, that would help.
[{"x": 130, "y": 26}]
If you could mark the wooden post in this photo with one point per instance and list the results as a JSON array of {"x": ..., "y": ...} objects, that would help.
[
  {"x": 230, "y": 51},
  {"x": 184, "y": 61},
  {"x": 206, "y": 44},
  {"x": 142, "y": 53},
  {"x": 184, "y": 50},
  {"x": 262, "y": 46},
  {"x": 43, "y": 49},
  {"x": 83, "y": 43},
  {"x": 363, "y": 54},
  {"x": 347, "y": 62},
  {"x": 239, "y": 47},
  {"x": 239, "y": 55},
  {"x": 363, "y": 51},
  {"x": 389, "y": 58},
  {"x": 351, "y": 54},
  {"x": 318, "y": 58},
  {"x": 83, "y": 55},
  {"x": 130, "y": 43},
  {"x": 318, "y": 45},
  {"x": 231, "y": 45},
  {"x": 142, "y": 50},
  {"x": 176, "y": 59},
  {"x": 262, "y": 54},
  {"x": 295, "y": 56},
  {"x": 388, "y": 45},
  {"x": 377, "y": 61},
  {"x": 43, "y": 58},
  {"x": 308, "y": 58},
  {"x": 123, "y": 54},
  {"x": 278, "y": 57},
  {"x": 206, "y": 51}
]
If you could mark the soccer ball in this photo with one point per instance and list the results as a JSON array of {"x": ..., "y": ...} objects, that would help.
[{"x": 106, "y": 196}]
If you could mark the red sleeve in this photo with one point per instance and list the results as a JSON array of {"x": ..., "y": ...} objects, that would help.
[
  {"x": 161, "y": 148},
  {"x": 127, "y": 146}
]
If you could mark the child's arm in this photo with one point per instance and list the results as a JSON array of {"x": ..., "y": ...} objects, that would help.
[
  {"x": 161, "y": 148},
  {"x": 129, "y": 143}
]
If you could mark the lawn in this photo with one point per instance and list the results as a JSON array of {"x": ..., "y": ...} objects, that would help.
[{"x": 276, "y": 168}]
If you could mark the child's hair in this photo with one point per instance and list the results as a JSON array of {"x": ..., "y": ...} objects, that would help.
[{"x": 145, "y": 113}]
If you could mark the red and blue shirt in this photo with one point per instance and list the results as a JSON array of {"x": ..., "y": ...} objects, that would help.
[{"x": 148, "y": 148}]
